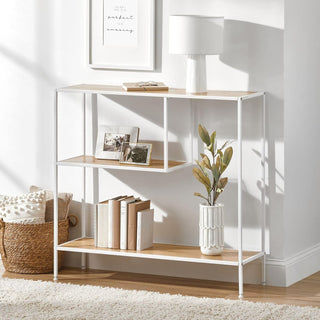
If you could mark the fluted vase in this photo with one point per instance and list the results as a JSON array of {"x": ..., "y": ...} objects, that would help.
[{"x": 211, "y": 229}]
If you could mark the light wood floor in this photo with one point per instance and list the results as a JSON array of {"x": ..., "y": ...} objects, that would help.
[{"x": 305, "y": 292}]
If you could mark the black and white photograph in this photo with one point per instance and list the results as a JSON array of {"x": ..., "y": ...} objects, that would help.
[
  {"x": 136, "y": 153},
  {"x": 111, "y": 138},
  {"x": 113, "y": 141}
]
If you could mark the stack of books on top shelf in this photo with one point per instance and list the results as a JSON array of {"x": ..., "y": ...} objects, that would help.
[{"x": 124, "y": 222}]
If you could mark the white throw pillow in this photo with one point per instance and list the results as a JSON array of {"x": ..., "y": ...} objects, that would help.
[
  {"x": 27, "y": 208},
  {"x": 64, "y": 200}
]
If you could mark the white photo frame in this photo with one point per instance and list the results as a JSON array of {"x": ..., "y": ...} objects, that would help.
[
  {"x": 111, "y": 138},
  {"x": 136, "y": 153},
  {"x": 121, "y": 34}
]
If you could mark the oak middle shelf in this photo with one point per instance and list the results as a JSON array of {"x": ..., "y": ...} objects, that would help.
[{"x": 91, "y": 162}]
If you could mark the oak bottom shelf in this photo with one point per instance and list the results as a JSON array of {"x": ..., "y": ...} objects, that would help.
[{"x": 163, "y": 252}]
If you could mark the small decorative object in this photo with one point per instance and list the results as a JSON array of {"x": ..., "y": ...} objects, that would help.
[
  {"x": 145, "y": 86},
  {"x": 110, "y": 140},
  {"x": 209, "y": 173},
  {"x": 121, "y": 34},
  {"x": 136, "y": 153},
  {"x": 196, "y": 37}
]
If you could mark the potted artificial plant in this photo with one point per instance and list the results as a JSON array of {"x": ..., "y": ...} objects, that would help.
[{"x": 209, "y": 172}]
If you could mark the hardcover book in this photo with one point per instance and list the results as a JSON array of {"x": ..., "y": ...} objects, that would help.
[
  {"x": 145, "y": 229},
  {"x": 101, "y": 226},
  {"x": 124, "y": 222},
  {"x": 133, "y": 208},
  {"x": 114, "y": 222},
  {"x": 145, "y": 86}
]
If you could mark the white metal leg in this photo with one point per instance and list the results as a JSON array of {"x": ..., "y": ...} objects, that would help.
[
  {"x": 165, "y": 133},
  {"x": 95, "y": 171},
  {"x": 195, "y": 151},
  {"x": 240, "y": 258},
  {"x": 94, "y": 118},
  {"x": 263, "y": 191},
  {"x": 55, "y": 190},
  {"x": 83, "y": 211},
  {"x": 191, "y": 133}
]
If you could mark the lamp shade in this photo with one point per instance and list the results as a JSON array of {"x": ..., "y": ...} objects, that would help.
[{"x": 190, "y": 34}]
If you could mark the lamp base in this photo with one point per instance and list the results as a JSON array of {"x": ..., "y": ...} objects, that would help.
[{"x": 196, "y": 74}]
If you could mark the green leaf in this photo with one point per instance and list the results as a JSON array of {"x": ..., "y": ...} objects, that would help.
[
  {"x": 199, "y": 164},
  {"x": 215, "y": 172},
  {"x": 220, "y": 187},
  {"x": 206, "y": 162},
  {"x": 222, "y": 183},
  {"x": 204, "y": 135},
  {"x": 202, "y": 178},
  {"x": 224, "y": 145},
  {"x": 213, "y": 137},
  {"x": 227, "y": 156},
  {"x": 222, "y": 168},
  {"x": 202, "y": 167},
  {"x": 213, "y": 143},
  {"x": 197, "y": 194},
  {"x": 218, "y": 162}
]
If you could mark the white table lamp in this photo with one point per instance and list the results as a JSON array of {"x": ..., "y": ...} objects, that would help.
[{"x": 196, "y": 37}]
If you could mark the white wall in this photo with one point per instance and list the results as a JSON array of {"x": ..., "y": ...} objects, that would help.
[
  {"x": 301, "y": 127},
  {"x": 43, "y": 46}
]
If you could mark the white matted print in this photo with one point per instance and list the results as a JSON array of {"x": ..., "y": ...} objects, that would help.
[
  {"x": 120, "y": 23},
  {"x": 111, "y": 138},
  {"x": 121, "y": 34},
  {"x": 136, "y": 153}
]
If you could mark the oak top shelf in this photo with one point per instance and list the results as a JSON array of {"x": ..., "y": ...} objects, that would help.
[
  {"x": 171, "y": 93},
  {"x": 162, "y": 252}
]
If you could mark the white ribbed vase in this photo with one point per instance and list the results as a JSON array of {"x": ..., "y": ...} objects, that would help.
[{"x": 211, "y": 229}]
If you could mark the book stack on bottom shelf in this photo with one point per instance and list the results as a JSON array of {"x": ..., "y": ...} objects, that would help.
[{"x": 124, "y": 222}]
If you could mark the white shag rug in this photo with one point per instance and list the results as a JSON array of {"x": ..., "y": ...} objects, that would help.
[{"x": 27, "y": 299}]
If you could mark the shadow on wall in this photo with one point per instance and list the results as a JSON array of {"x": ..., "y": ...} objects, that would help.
[
  {"x": 255, "y": 49},
  {"x": 258, "y": 51},
  {"x": 9, "y": 174},
  {"x": 40, "y": 79}
]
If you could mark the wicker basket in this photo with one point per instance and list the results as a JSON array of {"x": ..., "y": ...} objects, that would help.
[{"x": 28, "y": 248}]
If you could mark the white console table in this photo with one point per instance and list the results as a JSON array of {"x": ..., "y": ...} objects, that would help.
[{"x": 230, "y": 257}]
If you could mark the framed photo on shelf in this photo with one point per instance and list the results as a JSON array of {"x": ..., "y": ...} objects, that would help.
[
  {"x": 111, "y": 138},
  {"x": 136, "y": 153},
  {"x": 121, "y": 34}
]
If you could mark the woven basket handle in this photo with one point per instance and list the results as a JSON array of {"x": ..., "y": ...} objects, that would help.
[
  {"x": 73, "y": 220},
  {"x": 2, "y": 228}
]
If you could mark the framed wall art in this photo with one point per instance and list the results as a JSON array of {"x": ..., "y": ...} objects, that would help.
[
  {"x": 111, "y": 138},
  {"x": 121, "y": 34}
]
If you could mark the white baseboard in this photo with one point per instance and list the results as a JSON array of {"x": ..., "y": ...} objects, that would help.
[{"x": 286, "y": 272}]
